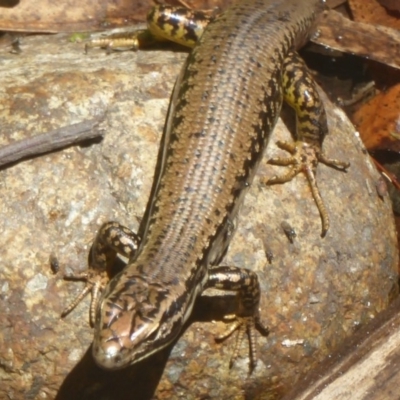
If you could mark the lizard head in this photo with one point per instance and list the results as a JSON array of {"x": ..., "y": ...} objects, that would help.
[{"x": 134, "y": 319}]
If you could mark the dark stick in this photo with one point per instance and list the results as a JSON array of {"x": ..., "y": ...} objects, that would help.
[{"x": 50, "y": 141}]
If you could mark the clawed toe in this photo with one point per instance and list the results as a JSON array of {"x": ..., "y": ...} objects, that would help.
[
  {"x": 305, "y": 158},
  {"x": 95, "y": 283},
  {"x": 243, "y": 325}
]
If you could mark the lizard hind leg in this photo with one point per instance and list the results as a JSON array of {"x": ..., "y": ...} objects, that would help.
[
  {"x": 164, "y": 24},
  {"x": 300, "y": 92}
]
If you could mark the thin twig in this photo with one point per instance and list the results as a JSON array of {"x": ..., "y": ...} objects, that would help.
[{"x": 51, "y": 141}]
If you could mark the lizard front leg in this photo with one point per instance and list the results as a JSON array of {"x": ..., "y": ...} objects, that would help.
[
  {"x": 112, "y": 239},
  {"x": 247, "y": 317}
]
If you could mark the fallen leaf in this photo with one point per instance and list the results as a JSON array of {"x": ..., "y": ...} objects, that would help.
[
  {"x": 374, "y": 13},
  {"x": 378, "y": 121}
]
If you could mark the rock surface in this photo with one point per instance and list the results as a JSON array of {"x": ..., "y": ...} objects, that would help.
[
  {"x": 315, "y": 292},
  {"x": 365, "y": 367}
]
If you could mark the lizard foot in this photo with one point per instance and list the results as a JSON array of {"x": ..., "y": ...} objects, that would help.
[
  {"x": 305, "y": 158},
  {"x": 95, "y": 284},
  {"x": 243, "y": 325}
]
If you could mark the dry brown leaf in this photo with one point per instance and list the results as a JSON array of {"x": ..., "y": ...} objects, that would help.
[
  {"x": 372, "y": 12},
  {"x": 393, "y": 5},
  {"x": 71, "y": 15},
  {"x": 366, "y": 40},
  {"x": 378, "y": 121}
]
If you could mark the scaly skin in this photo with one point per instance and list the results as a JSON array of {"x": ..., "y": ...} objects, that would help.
[{"x": 225, "y": 104}]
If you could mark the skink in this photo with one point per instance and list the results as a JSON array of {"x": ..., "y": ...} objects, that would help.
[{"x": 224, "y": 106}]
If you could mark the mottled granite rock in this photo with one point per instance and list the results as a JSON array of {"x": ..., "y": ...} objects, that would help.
[{"x": 314, "y": 293}]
